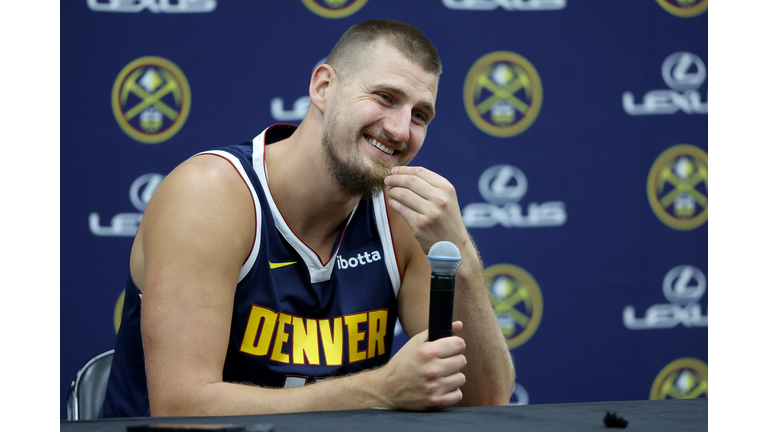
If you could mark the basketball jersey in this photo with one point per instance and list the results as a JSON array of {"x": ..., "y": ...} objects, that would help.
[{"x": 296, "y": 320}]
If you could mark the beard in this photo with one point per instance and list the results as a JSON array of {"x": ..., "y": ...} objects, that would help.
[{"x": 354, "y": 176}]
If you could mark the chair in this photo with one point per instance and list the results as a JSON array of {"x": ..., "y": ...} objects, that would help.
[{"x": 86, "y": 393}]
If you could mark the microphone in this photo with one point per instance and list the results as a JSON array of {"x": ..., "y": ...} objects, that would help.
[{"x": 444, "y": 258}]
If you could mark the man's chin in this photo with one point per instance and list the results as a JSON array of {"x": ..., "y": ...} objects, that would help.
[
  {"x": 380, "y": 170},
  {"x": 373, "y": 183},
  {"x": 358, "y": 177}
]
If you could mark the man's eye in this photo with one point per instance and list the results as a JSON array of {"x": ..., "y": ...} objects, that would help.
[{"x": 385, "y": 97}]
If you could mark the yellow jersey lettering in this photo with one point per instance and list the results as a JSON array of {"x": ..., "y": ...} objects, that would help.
[
  {"x": 268, "y": 332},
  {"x": 255, "y": 342},
  {"x": 354, "y": 335},
  {"x": 305, "y": 342},
  {"x": 333, "y": 344},
  {"x": 377, "y": 329},
  {"x": 282, "y": 337}
]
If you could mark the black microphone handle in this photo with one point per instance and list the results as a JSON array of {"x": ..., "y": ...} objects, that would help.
[{"x": 441, "y": 306}]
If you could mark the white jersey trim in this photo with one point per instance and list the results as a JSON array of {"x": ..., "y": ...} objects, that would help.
[
  {"x": 317, "y": 271},
  {"x": 257, "y": 243},
  {"x": 382, "y": 223}
]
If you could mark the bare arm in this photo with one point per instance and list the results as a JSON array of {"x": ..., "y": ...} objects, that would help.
[
  {"x": 428, "y": 204},
  {"x": 196, "y": 233}
]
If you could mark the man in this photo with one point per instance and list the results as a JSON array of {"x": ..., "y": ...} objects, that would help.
[{"x": 267, "y": 277}]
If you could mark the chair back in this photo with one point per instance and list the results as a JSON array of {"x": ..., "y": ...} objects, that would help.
[{"x": 86, "y": 393}]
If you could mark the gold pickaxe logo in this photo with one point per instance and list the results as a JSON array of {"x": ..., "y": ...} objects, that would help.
[
  {"x": 684, "y": 378},
  {"x": 516, "y": 300},
  {"x": 151, "y": 99},
  {"x": 334, "y": 8},
  {"x": 684, "y": 8},
  {"x": 678, "y": 186},
  {"x": 502, "y": 94}
]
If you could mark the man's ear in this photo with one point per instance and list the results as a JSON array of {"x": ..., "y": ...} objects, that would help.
[{"x": 321, "y": 86}]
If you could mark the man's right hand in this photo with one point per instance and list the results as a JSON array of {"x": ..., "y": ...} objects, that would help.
[{"x": 424, "y": 375}]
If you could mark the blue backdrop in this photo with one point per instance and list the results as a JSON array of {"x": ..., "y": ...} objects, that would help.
[{"x": 575, "y": 134}]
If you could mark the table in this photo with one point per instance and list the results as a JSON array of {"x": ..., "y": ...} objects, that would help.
[{"x": 673, "y": 415}]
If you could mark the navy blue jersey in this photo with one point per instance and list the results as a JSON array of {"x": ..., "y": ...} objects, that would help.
[{"x": 296, "y": 320}]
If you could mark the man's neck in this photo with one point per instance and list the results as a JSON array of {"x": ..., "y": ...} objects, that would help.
[{"x": 308, "y": 197}]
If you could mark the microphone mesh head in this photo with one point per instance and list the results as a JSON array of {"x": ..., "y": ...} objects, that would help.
[{"x": 444, "y": 258}]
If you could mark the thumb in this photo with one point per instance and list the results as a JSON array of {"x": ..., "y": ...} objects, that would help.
[{"x": 420, "y": 337}]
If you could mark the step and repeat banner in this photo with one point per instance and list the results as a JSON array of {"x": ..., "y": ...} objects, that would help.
[{"x": 575, "y": 133}]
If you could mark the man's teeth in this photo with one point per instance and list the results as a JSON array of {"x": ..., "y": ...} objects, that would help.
[{"x": 379, "y": 146}]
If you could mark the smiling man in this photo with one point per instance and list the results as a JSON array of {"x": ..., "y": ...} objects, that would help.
[{"x": 267, "y": 277}]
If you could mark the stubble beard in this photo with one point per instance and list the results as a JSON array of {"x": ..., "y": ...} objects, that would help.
[{"x": 354, "y": 176}]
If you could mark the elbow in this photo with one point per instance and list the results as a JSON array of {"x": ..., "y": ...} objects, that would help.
[
  {"x": 166, "y": 405},
  {"x": 499, "y": 384},
  {"x": 159, "y": 407},
  {"x": 170, "y": 403},
  {"x": 507, "y": 397},
  {"x": 496, "y": 389},
  {"x": 503, "y": 393},
  {"x": 157, "y": 411},
  {"x": 511, "y": 380}
]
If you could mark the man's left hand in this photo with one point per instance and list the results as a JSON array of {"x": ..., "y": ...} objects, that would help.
[{"x": 428, "y": 204}]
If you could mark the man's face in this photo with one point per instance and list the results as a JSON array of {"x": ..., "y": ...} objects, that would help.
[{"x": 377, "y": 119}]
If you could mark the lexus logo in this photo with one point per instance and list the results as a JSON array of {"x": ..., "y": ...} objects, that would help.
[
  {"x": 684, "y": 285},
  {"x": 683, "y": 71},
  {"x": 502, "y": 184}
]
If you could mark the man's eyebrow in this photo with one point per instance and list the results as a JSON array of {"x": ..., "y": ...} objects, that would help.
[{"x": 398, "y": 91}]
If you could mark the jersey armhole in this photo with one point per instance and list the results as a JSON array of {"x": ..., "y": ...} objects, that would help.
[{"x": 238, "y": 166}]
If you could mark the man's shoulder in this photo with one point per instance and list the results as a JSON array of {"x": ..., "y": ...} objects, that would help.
[{"x": 205, "y": 171}]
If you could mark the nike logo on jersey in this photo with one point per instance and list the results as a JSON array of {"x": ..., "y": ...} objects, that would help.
[{"x": 278, "y": 265}]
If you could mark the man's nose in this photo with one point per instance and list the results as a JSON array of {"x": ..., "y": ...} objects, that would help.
[{"x": 398, "y": 124}]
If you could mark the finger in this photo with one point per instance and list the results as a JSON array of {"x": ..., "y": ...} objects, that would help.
[
  {"x": 407, "y": 203},
  {"x": 451, "y": 365},
  {"x": 453, "y": 382},
  {"x": 418, "y": 186},
  {"x": 444, "y": 398},
  {"x": 456, "y": 327},
  {"x": 452, "y": 398},
  {"x": 417, "y": 201},
  {"x": 448, "y": 391},
  {"x": 430, "y": 177},
  {"x": 449, "y": 346},
  {"x": 429, "y": 200}
]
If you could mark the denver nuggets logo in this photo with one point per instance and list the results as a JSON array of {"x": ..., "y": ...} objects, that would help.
[
  {"x": 334, "y": 8},
  {"x": 516, "y": 301},
  {"x": 685, "y": 378},
  {"x": 684, "y": 8},
  {"x": 151, "y": 99},
  {"x": 502, "y": 94},
  {"x": 677, "y": 187}
]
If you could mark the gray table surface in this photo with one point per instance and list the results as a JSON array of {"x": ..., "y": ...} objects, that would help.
[{"x": 657, "y": 416}]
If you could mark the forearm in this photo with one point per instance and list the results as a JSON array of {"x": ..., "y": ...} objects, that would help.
[
  {"x": 428, "y": 204},
  {"x": 421, "y": 376},
  {"x": 222, "y": 398},
  {"x": 490, "y": 372}
]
